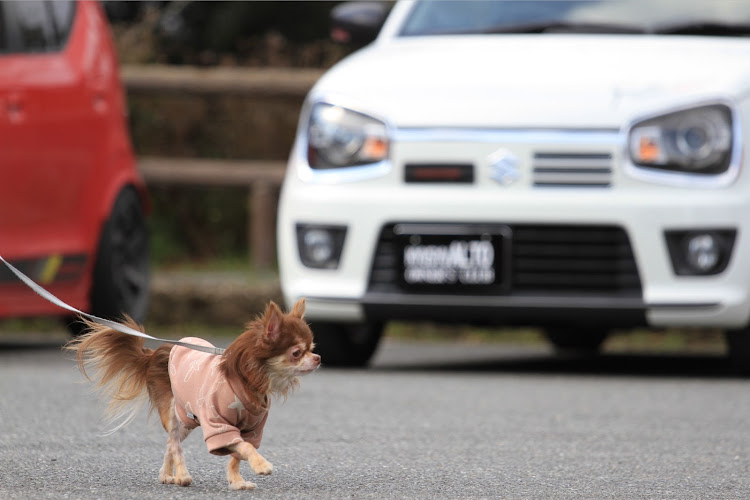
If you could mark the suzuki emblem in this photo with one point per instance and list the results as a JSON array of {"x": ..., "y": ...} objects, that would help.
[{"x": 504, "y": 167}]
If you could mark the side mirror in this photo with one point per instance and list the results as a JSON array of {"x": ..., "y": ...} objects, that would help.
[{"x": 357, "y": 23}]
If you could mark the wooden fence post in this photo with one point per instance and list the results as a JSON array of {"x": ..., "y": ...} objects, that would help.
[{"x": 262, "y": 220}]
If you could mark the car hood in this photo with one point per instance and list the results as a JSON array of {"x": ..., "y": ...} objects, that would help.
[{"x": 568, "y": 81}]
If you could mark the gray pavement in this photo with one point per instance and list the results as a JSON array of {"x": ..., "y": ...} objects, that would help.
[{"x": 438, "y": 420}]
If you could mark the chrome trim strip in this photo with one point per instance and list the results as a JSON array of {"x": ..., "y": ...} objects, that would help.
[
  {"x": 603, "y": 137},
  {"x": 582, "y": 164},
  {"x": 561, "y": 179}
]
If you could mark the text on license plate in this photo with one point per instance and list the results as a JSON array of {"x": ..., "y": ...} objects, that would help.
[{"x": 454, "y": 262}]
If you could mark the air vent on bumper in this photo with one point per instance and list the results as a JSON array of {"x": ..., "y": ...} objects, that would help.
[{"x": 572, "y": 169}]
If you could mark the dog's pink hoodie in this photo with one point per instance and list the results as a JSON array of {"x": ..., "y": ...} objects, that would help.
[{"x": 204, "y": 397}]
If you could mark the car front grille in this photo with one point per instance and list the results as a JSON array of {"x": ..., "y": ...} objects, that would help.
[
  {"x": 544, "y": 260},
  {"x": 552, "y": 169}
]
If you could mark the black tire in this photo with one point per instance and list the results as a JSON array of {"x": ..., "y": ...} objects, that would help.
[
  {"x": 121, "y": 272},
  {"x": 738, "y": 345},
  {"x": 346, "y": 345},
  {"x": 574, "y": 340}
]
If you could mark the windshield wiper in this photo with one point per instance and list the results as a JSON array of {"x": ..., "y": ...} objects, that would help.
[
  {"x": 567, "y": 27},
  {"x": 704, "y": 29}
]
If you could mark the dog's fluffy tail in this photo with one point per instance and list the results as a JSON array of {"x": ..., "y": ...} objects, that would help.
[{"x": 124, "y": 371}]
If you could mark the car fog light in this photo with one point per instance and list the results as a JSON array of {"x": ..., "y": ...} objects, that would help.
[
  {"x": 702, "y": 252},
  {"x": 320, "y": 246}
]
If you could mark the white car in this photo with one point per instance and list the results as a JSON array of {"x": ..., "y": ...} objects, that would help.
[{"x": 573, "y": 165}]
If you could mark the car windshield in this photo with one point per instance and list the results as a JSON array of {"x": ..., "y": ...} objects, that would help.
[{"x": 693, "y": 17}]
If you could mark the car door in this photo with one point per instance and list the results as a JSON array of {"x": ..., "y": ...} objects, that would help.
[{"x": 43, "y": 158}]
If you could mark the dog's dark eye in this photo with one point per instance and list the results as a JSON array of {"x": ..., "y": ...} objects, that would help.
[{"x": 296, "y": 353}]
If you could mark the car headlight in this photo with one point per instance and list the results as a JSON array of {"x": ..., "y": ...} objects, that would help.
[
  {"x": 697, "y": 141},
  {"x": 339, "y": 137}
]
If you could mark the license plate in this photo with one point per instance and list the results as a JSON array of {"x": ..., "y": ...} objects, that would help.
[{"x": 452, "y": 256}]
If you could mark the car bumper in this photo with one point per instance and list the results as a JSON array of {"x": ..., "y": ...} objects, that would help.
[
  {"x": 642, "y": 209},
  {"x": 68, "y": 277}
]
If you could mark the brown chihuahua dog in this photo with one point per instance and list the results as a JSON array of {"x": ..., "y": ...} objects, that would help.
[{"x": 227, "y": 395}]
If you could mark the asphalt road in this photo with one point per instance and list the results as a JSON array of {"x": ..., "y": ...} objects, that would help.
[{"x": 427, "y": 421}]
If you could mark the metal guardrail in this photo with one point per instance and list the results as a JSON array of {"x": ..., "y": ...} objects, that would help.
[{"x": 262, "y": 178}]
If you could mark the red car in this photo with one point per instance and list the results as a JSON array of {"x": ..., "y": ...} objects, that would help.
[{"x": 71, "y": 200}]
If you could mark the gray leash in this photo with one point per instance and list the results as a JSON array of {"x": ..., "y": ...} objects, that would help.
[{"x": 102, "y": 321}]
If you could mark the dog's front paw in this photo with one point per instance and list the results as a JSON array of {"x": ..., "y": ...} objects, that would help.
[
  {"x": 261, "y": 466},
  {"x": 242, "y": 485},
  {"x": 183, "y": 480},
  {"x": 179, "y": 480}
]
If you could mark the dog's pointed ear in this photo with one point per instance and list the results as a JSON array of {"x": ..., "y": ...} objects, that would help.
[
  {"x": 299, "y": 308},
  {"x": 272, "y": 321}
]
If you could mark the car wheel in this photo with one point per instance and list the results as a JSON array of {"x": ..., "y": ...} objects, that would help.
[
  {"x": 346, "y": 345},
  {"x": 121, "y": 273},
  {"x": 575, "y": 340},
  {"x": 738, "y": 344}
]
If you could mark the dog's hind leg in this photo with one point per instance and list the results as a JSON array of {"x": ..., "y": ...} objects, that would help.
[{"x": 174, "y": 470}]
